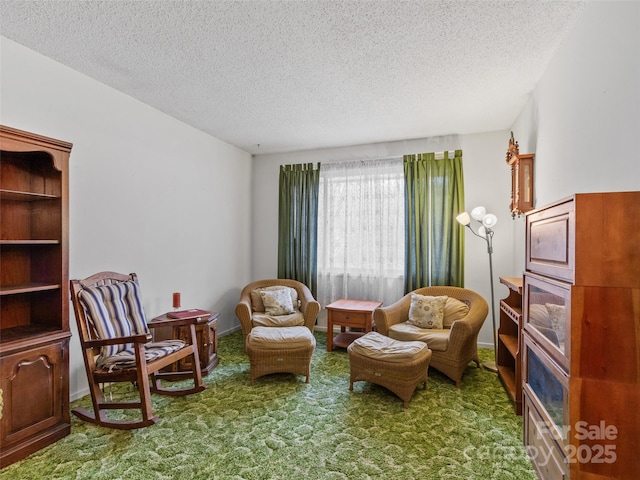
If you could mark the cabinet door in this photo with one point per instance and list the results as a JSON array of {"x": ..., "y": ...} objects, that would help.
[
  {"x": 545, "y": 453},
  {"x": 205, "y": 336},
  {"x": 547, "y": 316},
  {"x": 546, "y": 387},
  {"x": 35, "y": 395},
  {"x": 209, "y": 345},
  {"x": 550, "y": 241},
  {"x": 184, "y": 334}
]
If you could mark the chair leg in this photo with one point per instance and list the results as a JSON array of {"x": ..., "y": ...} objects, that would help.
[
  {"x": 143, "y": 383},
  {"x": 100, "y": 406},
  {"x": 97, "y": 399},
  {"x": 195, "y": 366},
  {"x": 103, "y": 421},
  {"x": 198, "y": 386},
  {"x": 144, "y": 387}
]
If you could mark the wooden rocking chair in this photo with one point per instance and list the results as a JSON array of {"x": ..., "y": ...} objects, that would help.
[{"x": 117, "y": 347}]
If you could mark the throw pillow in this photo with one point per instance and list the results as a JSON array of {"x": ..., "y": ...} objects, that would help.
[
  {"x": 426, "y": 311},
  {"x": 277, "y": 302},
  {"x": 256, "y": 299},
  {"x": 558, "y": 321},
  {"x": 454, "y": 309}
]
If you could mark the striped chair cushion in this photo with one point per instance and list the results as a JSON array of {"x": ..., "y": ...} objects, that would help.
[
  {"x": 116, "y": 311},
  {"x": 126, "y": 358}
]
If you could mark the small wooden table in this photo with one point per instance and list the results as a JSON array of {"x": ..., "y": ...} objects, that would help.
[
  {"x": 206, "y": 338},
  {"x": 352, "y": 314}
]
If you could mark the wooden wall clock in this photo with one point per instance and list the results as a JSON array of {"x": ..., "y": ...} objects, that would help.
[{"x": 521, "y": 179}]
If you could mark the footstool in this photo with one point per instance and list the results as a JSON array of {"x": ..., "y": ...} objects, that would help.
[
  {"x": 396, "y": 365},
  {"x": 280, "y": 349}
]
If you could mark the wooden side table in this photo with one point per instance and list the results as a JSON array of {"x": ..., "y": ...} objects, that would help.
[
  {"x": 207, "y": 339},
  {"x": 352, "y": 314}
]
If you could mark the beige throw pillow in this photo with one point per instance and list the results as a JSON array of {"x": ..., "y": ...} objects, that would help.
[
  {"x": 277, "y": 302},
  {"x": 454, "y": 309},
  {"x": 426, "y": 311},
  {"x": 256, "y": 299}
]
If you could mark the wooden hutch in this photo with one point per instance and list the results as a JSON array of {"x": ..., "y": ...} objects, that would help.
[
  {"x": 34, "y": 293},
  {"x": 581, "y": 337}
]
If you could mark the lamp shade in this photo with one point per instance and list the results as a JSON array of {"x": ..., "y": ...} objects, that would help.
[
  {"x": 478, "y": 213},
  {"x": 464, "y": 219},
  {"x": 489, "y": 220}
]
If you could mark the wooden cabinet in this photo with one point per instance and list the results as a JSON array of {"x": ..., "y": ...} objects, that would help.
[
  {"x": 509, "y": 341},
  {"x": 34, "y": 293},
  {"x": 581, "y": 341},
  {"x": 206, "y": 338}
]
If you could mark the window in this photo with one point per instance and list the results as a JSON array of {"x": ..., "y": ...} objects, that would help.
[{"x": 361, "y": 231}]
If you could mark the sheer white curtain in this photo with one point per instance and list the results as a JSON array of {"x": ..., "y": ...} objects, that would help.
[{"x": 361, "y": 231}]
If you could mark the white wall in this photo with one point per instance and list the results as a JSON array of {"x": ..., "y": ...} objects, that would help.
[
  {"x": 148, "y": 194},
  {"x": 583, "y": 119},
  {"x": 487, "y": 183}
]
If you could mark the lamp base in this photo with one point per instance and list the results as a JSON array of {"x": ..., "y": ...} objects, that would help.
[{"x": 491, "y": 366}]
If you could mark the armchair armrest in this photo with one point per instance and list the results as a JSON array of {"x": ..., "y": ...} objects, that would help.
[
  {"x": 387, "y": 316},
  {"x": 309, "y": 307},
  {"x": 244, "y": 313},
  {"x": 460, "y": 337}
]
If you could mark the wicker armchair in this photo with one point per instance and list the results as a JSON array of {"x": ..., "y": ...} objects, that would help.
[
  {"x": 461, "y": 346},
  {"x": 245, "y": 311}
]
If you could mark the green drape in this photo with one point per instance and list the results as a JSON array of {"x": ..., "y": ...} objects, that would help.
[
  {"x": 298, "y": 224},
  {"x": 434, "y": 240}
]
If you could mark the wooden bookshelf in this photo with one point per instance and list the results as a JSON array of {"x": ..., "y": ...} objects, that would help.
[
  {"x": 34, "y": 293},
  {"x": 510, "y": 341}
]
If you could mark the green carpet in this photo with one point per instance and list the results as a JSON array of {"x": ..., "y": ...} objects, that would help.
[{"x": 282, "y": 428}]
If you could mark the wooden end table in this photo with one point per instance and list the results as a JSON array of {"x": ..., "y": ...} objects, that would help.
[
  {"x": 349, "y": 314},
  {"x": 206, "y": 338}
]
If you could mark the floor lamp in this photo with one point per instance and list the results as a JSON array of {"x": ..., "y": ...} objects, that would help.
[{"x": 487, "y": 221}]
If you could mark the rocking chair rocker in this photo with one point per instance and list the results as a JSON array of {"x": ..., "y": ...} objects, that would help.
[{"x": 117, "y": 347}]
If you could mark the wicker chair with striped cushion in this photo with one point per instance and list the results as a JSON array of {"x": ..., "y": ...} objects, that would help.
[{"x": 117, "y": 347}]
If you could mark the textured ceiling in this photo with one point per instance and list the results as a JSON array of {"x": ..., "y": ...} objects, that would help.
[{"x": 295, "y": 75}]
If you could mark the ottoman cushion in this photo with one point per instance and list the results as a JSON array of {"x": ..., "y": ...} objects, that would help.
[
  {"x": 280, "y": 349},
  {"x": 278, "y": 338},
  {"x": 399, "y": 366},
  {"x": 379, "y": 347}
]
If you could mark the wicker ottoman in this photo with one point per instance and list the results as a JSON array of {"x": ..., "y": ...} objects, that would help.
[
  {"x": 280, "y": 350},
  {"x": 396, "y": 365}
]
